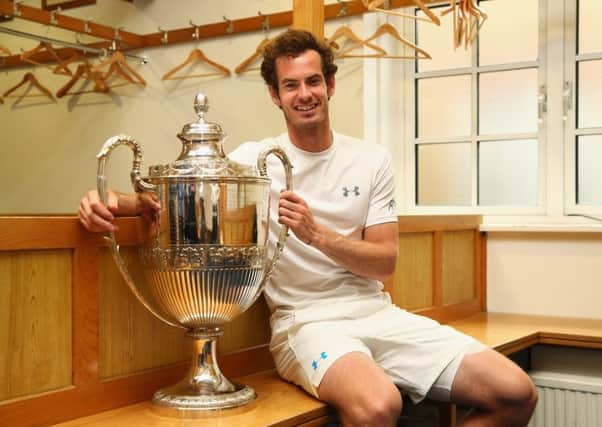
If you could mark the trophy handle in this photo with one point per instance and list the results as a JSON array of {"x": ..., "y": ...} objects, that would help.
[
  {"x": 288, "y": 169},
  {"x": 139, "y": 185}
]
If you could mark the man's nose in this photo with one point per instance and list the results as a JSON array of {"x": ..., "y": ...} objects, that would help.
[{"x": 304, "y": 90}]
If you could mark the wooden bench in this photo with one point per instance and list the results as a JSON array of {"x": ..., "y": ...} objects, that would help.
[
  {"x": 281, "y": 404},
  {"x": 80, "y": 346}
]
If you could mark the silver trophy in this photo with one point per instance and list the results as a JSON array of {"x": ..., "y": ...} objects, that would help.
[{"x": 204, "y": 254}]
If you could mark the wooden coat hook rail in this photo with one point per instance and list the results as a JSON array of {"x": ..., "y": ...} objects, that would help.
[{"x": 131, "y": 40}]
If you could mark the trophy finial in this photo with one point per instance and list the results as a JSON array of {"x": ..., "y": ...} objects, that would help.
[{"x": 201, "y": 104}]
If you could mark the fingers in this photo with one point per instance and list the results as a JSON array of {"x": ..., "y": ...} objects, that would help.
[
  {"x": 94, "y": 215},
  {"x": 294, "y": 213}
]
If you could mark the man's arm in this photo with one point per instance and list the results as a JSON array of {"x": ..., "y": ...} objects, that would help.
[
  {"x": 99, "y": 218},
  {"x": 373, "y": 257}
]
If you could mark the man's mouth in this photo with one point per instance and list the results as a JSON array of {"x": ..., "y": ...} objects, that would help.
[{"x": 306, "y": 108}]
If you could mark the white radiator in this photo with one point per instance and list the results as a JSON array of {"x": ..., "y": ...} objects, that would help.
[{"x": 567, "y": 400}]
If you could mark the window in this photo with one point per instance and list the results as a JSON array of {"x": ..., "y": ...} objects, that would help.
[
  {"x": 481, "y": 147},
  {"x": 583, "y": 90},
  {"x": 510, "y": 127}
]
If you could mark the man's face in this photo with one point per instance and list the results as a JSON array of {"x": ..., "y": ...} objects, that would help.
[{"x": 303, "y": 92}]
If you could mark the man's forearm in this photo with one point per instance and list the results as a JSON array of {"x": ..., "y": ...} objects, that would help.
[{"x": 374, "y": 260}]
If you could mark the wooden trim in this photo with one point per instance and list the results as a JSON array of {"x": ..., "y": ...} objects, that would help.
[
  {"x": 66, "y": 22},
  {"x": 425, "y": 223},
  {"x": 66, "y": 4},
  {"x": 438, "y": 268},
  {"x": 85, "y": 315},
  {"x": 483, "y": 281},
  {"x": 518, "y": 345},
  {"x": 309, "y": 15},
  {"x": 447, "y": 313},
  {"x": 181, "y": 35},
  {"x": 319, "y": 422},
  {"x": 570, "y": 340},
  {"x": 56, "y": 232}
]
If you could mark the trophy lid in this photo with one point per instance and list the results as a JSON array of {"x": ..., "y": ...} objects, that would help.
[
  {"x": 202, "y": 130},
  {"x": 202, "y": 154}
]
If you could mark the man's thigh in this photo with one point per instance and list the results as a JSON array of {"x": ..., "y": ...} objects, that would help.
[
  {"x": 485, "y": 377},
  {"x": 355, "y": 379}
]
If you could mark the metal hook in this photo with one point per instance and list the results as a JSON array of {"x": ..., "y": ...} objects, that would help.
[
  {"x": 16, "y": 11},
  {"x": 387, "y": 5},
  {"x": 165, "y": 37},
  {"x": 117, "y": 35},
  {"x": 230, "y": 27},
  {"x": 87, "y": 28},
  {"x": 265, "y": 25},
  {"x": 343, "y": 9},
  {"x": 53, "y": 13},
  {"x": 196, "y": 30}
]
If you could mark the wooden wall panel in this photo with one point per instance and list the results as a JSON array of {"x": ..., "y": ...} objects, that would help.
[
  {"x": 130, "y": 338},
  {"x": 250, "y": 329},
  {"x": 458, "y": 279},
  {"x": 413, "y": 278},
  {"x": 35, "y": 321}
]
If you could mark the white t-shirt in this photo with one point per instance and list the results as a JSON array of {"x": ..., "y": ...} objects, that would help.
[{"x": 348, "y": 187}]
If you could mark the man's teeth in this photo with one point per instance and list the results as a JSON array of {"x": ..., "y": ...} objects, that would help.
[{"x": 305, "y": 108}]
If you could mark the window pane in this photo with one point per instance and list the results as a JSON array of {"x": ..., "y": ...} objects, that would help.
[
  {"x": 510, "y": 34},
  {"x": 444, "y": 106},
  {"x": 590, "y": 37},
  {"x": 508, "y": 102},
  {"x": 589, "y": 172},
  {"x": 590, "y": 94},
  {"x": 444, "y": 174},
  {"x": 439, "y": 42},
  {"x": 508, "y": 173}
]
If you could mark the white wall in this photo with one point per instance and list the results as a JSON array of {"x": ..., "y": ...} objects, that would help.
[
  {"x": 553, "y": 274},
  {"x": 47, "y": 149}
]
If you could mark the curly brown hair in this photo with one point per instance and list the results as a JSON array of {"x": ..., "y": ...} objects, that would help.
[{"x": 293, "y": 43}]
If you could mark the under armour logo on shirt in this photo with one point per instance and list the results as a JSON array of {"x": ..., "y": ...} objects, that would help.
[
  {"x": 314, "y": 363},
  {"x": 355, "y": 191}
]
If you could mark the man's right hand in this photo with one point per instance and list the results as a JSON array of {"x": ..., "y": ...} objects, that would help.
[{"x": 95, "y": 216}]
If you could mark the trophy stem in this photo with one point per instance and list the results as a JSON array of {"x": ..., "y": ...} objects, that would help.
[{"x": 204, "y": 387}]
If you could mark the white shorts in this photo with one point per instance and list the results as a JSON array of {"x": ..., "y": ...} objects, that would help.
[{"x": 420, "y": 356}]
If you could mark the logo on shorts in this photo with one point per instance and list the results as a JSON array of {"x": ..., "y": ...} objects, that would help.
[{"x": 315, "y": 363}]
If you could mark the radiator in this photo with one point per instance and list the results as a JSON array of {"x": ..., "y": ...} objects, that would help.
[{"x": 567, "y": 400}]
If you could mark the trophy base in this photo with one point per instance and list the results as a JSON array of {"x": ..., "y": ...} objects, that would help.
[{"x": 175, "y": 402}]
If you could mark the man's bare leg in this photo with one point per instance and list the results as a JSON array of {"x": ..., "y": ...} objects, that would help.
[
  {"x": 361, "y": 392},
  {"x": 501, "y": 393}
]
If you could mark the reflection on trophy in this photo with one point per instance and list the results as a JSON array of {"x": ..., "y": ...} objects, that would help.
[{"x": 205, "y": 258}]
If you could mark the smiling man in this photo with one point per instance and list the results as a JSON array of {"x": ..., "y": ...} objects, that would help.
[{"x": 334, "y": 331}]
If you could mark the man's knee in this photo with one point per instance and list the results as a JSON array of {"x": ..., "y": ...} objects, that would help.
[
  {"x": 380, "y": 410},
  {"x": 522, "y": 397}
]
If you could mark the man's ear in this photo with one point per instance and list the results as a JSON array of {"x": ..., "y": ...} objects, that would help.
[
  {"x": 330, "y": 84},
  {"x": 275, "y": 97}
]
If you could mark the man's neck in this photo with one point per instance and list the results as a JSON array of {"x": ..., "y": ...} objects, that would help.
[{"x": 313, "y": 140}]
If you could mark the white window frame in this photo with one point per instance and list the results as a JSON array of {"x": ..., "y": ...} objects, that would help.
[{"x": 388, "y": 96}]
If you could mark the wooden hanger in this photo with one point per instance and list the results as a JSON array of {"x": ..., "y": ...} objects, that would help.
[
  {"x": 389, "y": 29},
  {"x": 196, "y": 55},
  {"x": 344, "y": 32},
  {"x": 118, "y": 66},
  {"x": 31, "y": 79},
  {"x": 244, "y": 65},
  {"x": 468, "y": 18},
  {"x": 60, "y": 67},
  {"x": 375, "y": 5},
  {"x": 84, "y": 71},
  {"x": 5, "y": 50}
]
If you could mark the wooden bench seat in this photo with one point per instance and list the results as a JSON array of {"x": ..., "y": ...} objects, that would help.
[{"x": 282, "y": 404}]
